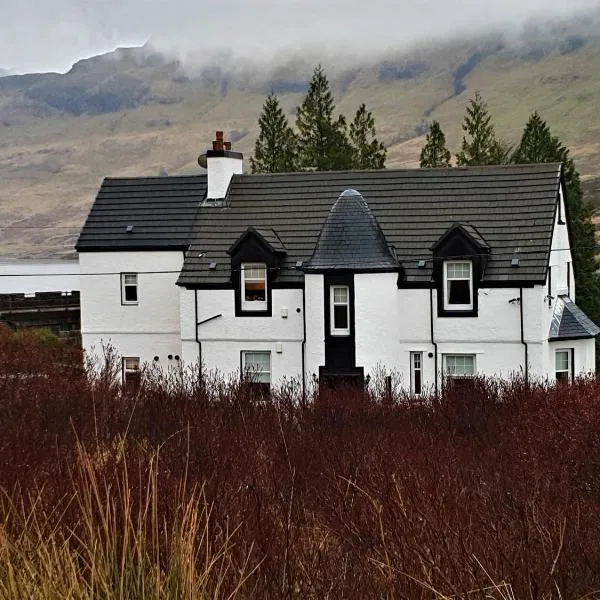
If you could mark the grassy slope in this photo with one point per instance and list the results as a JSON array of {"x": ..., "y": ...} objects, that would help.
[{"x": 50, "y": 167}]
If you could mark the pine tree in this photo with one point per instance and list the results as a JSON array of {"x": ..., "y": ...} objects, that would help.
[
  {"x": 538, "y": 145},
  {"x": 367, "y": 151},
  {"x": 322, "y": 141},
  {"x": 275, "y": 148},
  {"x": 480, "y": 146},
  {"x": 435, "y": 153}
]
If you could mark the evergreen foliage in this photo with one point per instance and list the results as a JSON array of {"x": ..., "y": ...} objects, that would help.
[
  {"x": 367, "y": 151},
  {"x": 275, "y": 148},
  {"x": 322, "y": 139},
  {"x": 538, "y": 145},
  {"x": 479, "y": 146},
  {"x": 435, "y": 153}
]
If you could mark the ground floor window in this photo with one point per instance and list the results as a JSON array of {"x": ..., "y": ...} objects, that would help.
[
  {"x": 458, "y": 366},
  {"x": 563, "y": 360},
  {"x": 131, "y": 373},
  {"x": 256, "y": 366},
  {"x": 416, "y": 373}
]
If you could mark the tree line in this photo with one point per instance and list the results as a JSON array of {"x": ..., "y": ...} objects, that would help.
[{"x": 322, "y": 141}]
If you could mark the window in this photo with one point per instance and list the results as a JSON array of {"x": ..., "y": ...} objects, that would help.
[
  {"x": 416, "y": 373},
  {"x": 458, "y": 366},
  {"x": 340, "y": 309},
  {"x": 257, "y": 367},
  {"x": 129, "y": 288},
  {"x": 131, "y": 373},
  {"x": 254, "y": 286},
  {"x": 563, "y": 364},
  {"x": 458, "y": 285}
]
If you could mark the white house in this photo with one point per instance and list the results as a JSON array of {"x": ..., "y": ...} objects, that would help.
[{"x": 337, "y": 275}]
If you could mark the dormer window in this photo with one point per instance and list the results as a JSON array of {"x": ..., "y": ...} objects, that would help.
[
  {"x": 254, "y": 286},
  {"x": 458, "y": 285},
  {"x": 340, "y": 309}
]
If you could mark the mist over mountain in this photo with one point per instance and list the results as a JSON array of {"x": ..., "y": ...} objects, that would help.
[{"x": 147, "y": 109}]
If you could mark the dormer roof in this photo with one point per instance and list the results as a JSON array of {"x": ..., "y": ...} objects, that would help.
[
  {"x": 468, "y": 231},
  {"x": 351, "y": 239},
  {"x": 268, "y": 237}
]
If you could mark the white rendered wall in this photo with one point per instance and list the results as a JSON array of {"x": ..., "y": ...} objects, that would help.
[
  {"x": 315, "y": 324},
  {"x": 31, "y": 276},
  {"x": 560, "y": 255},
  {"x": 147, "y": 329},
  {"x": 220, "y": 171},
  {"x": 224, "y": 338}
]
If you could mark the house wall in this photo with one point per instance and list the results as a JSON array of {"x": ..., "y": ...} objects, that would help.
[
  {"x": 150, "y": 328},
  {"x": 223, "y": 338}
]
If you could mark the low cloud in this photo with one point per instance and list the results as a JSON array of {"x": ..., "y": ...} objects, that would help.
[{"x": 51, "y": 36}]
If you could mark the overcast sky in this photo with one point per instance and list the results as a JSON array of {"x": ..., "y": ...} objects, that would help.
[{"x": 41, "y": 35}]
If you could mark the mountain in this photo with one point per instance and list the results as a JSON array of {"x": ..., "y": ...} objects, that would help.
[{"x": 137, "y": 111}]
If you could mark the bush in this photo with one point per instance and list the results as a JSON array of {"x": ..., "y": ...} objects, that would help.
[{"x": 194, "y": 487}]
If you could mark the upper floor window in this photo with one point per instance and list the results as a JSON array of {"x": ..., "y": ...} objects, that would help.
[
  {"x": 563, "y": 364},
  {"x": 458, "y": 285},
  {"x": 340, "y": 309},
  {"x": 254, "y": 286},
  {"x": 129, "y": 288}
]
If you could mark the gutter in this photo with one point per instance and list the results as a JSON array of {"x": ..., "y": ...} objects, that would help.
[
  {"x": 196, "y": 325},
  {"x": 434, "y": 343},
  {"x": 304, "y": 342},
  {"x": 526, "y": 347}
]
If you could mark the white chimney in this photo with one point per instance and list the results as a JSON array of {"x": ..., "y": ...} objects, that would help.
[{"x": 222, "y": 164}]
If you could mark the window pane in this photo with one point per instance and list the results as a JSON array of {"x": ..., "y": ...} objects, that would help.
[
  {"x": 459, "y": 291},
  {"x": 460, "y": 365},
  {"x": 562, "y": 376},
  {"x": 417, "y": 389},
  {"x": 562, "y": 360},
  {"x": 130, "y": 279},
  {"x": 459, "y": 270},
  {"x": 417, "y": 360},
  {"x": 257, "y": 361},
  {"x": 130, "y": 293},
  {"x": 340, "y": 295},
  {"x": 132, "y": 364},
  {"x": 340, "y": 316}
]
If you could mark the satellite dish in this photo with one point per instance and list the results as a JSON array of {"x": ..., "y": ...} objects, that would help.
[{"x": 202, "y": 161}]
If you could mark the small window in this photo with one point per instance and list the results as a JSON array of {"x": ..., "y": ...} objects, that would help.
[
  {"x": 257, "y": 368},
  {"x": 340, "y": 309},
  {"x": 563, "y": 364},
  {"x": 131, "y": 373},
  {"x": 458, "y": 366},
  {"x": 129, "y": 288},
  {"x": 416, "y": 373},
  {"x": 254, "y": 286},
  {"x": 458, "y": 285}
]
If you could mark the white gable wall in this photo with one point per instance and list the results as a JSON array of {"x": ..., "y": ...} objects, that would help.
[{"x": 150, "y": 328}]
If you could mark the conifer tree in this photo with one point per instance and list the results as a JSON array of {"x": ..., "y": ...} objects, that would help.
[
  {"x": 275, "y": 148},
  {"x": 538, "y": 145},
  {"x": 367, "y": 151},
  {"x": 435, "y": 153},
  {"x": 479, "y": 146},
  {"x": 322, "y": 141}
]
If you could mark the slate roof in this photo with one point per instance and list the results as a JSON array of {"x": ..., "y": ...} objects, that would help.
[
  {"x": 268, "y": 236},
  {"x": 512, "y": 208},
  {"x": 569, "y": 322},
  {"x": 160, "y": 211},
  {"x": 351, "y": 239}
]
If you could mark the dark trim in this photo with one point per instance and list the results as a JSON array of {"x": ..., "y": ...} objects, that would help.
[
  {"x": 572, "y": 337},
  {"x": 130, "y": 248},
  {"x": 434, "y": 343},
  {"x": 303, "y": 343},
  {"x": 224, "y": 154},
  {"x": 229, "y": 286},
  {"x": 137, "y": 285},
  {"x": 332, "y": 377},
  {"x": 425, "y": 285},
  {"x": 526, "y": 371},
  {"x": 572, "y": 364},
  {"x": 206, "y": 320},
  {"x": 340, "y": 350},
  {"x": 197, "y": 336},
  {"x": 415, "y": 285},
  {"x": 569, "y": 279},
  {"x": 549, "y": 291},
  {"x": 324, "y": 271}
]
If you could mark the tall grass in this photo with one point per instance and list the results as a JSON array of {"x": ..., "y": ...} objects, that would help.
[{"x": 194, "y": 488}]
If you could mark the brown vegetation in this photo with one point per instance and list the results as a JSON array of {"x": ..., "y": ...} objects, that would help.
[{"x": 194, "y": 489}]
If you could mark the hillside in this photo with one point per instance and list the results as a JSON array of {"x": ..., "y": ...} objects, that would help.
[{"x": 137, "y": 112}]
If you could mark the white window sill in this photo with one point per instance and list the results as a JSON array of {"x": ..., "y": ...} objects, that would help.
[{"x": 256, "y": 306}]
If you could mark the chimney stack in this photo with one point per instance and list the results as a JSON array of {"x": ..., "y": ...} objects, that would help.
[{"x": 222, "y": 164}]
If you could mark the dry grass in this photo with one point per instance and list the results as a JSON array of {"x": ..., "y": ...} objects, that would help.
[{"x": 194, "y": 488}]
